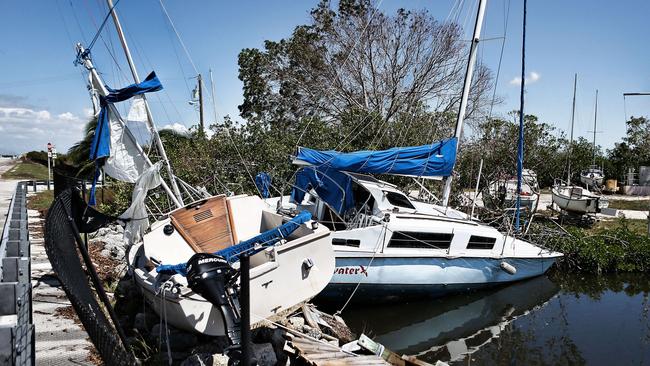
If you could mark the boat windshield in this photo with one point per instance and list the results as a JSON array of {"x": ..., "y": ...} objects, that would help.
[{"x": 398, "y": 199}]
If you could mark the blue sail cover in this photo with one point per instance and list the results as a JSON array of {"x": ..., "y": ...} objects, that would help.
[
  {"x": 431, "y": 160},
  {"x": 101, "y": 146},
  {"x": 102, "y": 140},
  {"x": 326, "y": 176}
]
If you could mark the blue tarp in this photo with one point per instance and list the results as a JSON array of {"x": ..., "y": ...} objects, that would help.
[
  {"x": 332, "y": 186},
  {"x": 263, "y": 183},
  {"x": 326, "y": 176},
  {"x": 432, "y": 160},
  {"x": 101, "y": 146},
  {"x": 264, "y": 240}
]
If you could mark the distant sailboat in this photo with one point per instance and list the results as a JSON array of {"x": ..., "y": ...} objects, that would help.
[
  {"x": 594, "y": 176},
  {"x": 575, "y": 199},
  {"x": 502, "y": 193}
]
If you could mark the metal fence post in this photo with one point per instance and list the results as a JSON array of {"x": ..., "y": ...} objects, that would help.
[{"x": 245, "y": 265}]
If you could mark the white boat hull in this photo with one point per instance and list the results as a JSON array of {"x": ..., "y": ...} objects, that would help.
[
  {"x": 279, "y": 275},
  {"x": 584, "y": 204},
  {"x": 395, "y": 277}
]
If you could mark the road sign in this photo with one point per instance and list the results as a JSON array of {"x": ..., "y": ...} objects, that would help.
[
  {"x": 49, "y": 146},
  {"x": 49, "y": 154}
]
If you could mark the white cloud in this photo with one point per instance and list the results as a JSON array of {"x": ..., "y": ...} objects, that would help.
[
  {"x": 29, "y": 128},
  {"x": 177, "y": 127},
  {"x": 530, "y": 79}
]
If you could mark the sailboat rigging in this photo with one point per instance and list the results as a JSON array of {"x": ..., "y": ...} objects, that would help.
[
  {"x": 284, "y": 271},
  {"x": 390, "y": 246},
  {"x": 593, "y": 176},
  {"x": 575, "y": 200}
]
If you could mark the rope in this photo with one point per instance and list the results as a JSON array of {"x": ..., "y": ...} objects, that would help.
[
  {"x": 101, "y": 27},
  {"x": 374, "y": 254}
]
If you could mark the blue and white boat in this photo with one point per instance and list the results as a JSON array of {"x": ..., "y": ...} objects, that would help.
[{"x": 389, "y": 246}]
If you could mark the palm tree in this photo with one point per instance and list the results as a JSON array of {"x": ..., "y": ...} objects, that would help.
[{"x": 79, "y": 153}]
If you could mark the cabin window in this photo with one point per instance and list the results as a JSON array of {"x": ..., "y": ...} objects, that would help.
[
  {"x": 480, "y": 242},
  {"x": 402, "y": 239},
  {"x": 399, "y": 200},
  {"x": 346, "y": 242}
]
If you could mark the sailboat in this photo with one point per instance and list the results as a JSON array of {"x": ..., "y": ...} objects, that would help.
[
  {"x": 172, "y": 260},
  {"x": 570, "y": 198},
  {"x": 388, "y": 246},
  {"x": 593, "y": 176},
  {"x": 502, "y": 193}
]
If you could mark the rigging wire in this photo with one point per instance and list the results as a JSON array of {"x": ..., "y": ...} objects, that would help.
[{"x": 162, "y": 5}]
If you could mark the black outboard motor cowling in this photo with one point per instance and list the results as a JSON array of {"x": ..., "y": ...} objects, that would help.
[{"x": 212, "y": 277}]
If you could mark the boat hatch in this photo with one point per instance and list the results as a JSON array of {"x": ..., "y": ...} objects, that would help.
[{"x": 402, "y": 239}]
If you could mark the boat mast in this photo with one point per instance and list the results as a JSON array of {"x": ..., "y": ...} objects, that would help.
[
  {"x": 573, "y": 114},
  {"x": 152, "y": 126},
  {"x": 97, "y": 81},
  {"x": 468, "y": 82},
  {"x": 593, "y": 163},
  {"x": 520, "y": 143}
]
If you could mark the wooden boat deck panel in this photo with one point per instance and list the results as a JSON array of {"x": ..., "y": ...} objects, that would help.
[{"x": 205, "y": 225}]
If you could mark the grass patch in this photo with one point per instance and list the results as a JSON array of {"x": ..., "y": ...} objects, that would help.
[
  {"x": 639, "y": 227},
  {"x": 640, "y": 205},
  {"x": 26, "y": 170},
  {"x": 619, "y": 245},
  {"x": 41, "y": 201}
]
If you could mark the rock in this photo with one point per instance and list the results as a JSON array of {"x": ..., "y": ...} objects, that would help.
[
  {"x": 145, "y": 321},
  {"x": 312, "y": 332},
  {"x": 201, "y": 359},
  {"x": 264, "y": 354},
  {"x": 219, "y": 360},
  {"x": 297, "y": 322},
  {"x": 277, "y": 337},
  {"x": 178, "y": 340},
  {"x": 162, "y": 358}
]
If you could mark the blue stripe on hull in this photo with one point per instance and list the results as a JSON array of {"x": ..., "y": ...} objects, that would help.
[{"x": 425, "y": 277}]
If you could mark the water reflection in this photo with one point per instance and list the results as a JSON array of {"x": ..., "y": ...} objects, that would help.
[{"x": 561, "y": 320}]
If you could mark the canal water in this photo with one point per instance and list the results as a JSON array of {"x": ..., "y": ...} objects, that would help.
[{"x": 560, "y": 319}]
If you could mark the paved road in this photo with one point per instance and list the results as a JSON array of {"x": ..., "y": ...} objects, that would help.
[{"x": 7, "y": 188}]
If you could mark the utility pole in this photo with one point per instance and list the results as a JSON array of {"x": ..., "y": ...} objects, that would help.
[
  {"x": 467, "y": 84},
  {"x": 201, "y": 121}
]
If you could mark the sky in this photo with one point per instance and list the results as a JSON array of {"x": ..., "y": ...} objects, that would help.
[{"x": 43, "y": 97}]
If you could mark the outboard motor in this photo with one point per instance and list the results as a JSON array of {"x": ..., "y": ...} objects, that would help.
[{"x": 212, "y": 277}]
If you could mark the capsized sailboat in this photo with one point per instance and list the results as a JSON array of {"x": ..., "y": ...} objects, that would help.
[{"x": 287, "y": 271}]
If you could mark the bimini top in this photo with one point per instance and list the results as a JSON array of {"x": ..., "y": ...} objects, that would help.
[{"x": 431, "y": 160}]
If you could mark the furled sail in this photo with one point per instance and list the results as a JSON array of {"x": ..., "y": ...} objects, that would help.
[
  {"x": 431, "y": 160},
  {"x": 113, "y": 148}
]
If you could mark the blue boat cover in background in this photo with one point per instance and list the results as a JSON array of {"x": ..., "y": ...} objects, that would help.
[
  {"x": 431, "y": 160},
  {"x": 101, "y": 146},
  {"x": 263, "y": 183}
]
